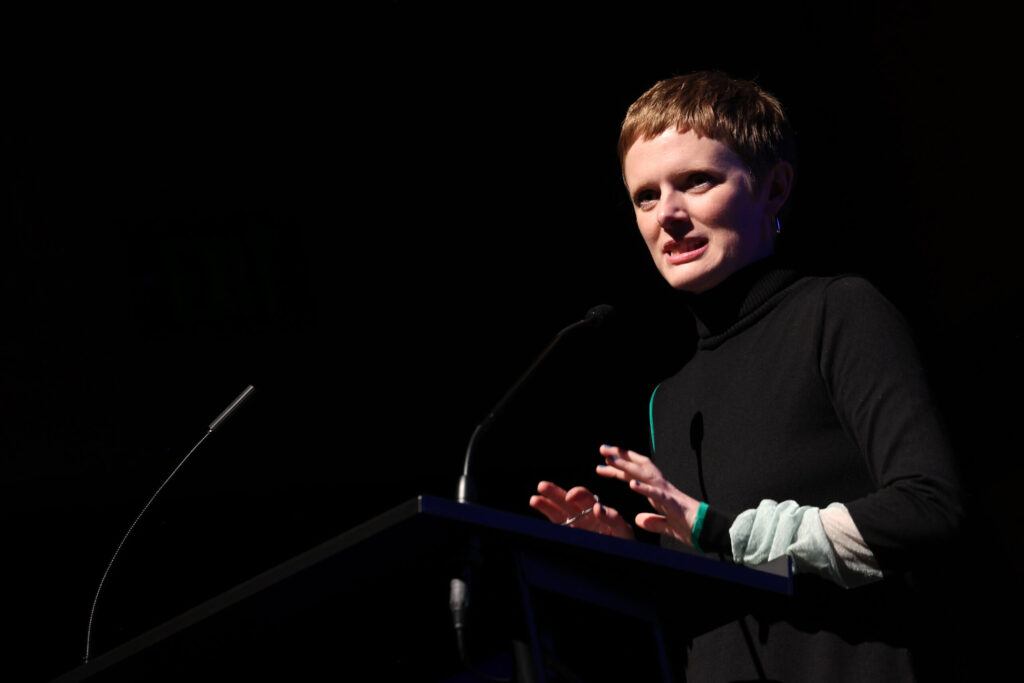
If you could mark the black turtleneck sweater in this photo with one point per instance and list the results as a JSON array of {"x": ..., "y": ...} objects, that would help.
[{"x": 810, "y": 389}]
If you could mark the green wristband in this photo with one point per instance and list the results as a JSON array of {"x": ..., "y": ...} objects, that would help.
[{"x": 698, "y": 524}]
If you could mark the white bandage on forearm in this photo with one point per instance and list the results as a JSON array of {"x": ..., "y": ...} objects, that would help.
[
  {"x": 775, "y": 529},
  {"x": 856, "y": 560}
]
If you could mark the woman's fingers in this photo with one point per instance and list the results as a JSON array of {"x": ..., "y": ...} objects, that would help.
[
  {"x": 603, "y": 520},
  {"x": 680, "y": 508},
  {"x": 659, "y": 524},
  {"x": 548, "y": 508},
  {"x": 551, "y": 490},
  {"x": 550, "y": 502},
  {"x": 648, "y": 521},
  {"x": 557, "y": 504},
  {"x": 586, "y": 503},
  {"x": 623, "y": 464},
  {"x": 580, "y": 497},
  {"x": 560, "y": 506},
  {"x": 663, "y": 497},
  {"x": 623, "y": 454},
  {"x": 614, "y": 523},
  {"x": 677, "y": 510}
]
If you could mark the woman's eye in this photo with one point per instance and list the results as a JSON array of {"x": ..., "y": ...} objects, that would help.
[
  {"x": 645, "y": 197},
  {"x": 699, "y": 180}
]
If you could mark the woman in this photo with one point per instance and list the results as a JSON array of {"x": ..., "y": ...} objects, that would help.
[{"x": 801, "y": 425}]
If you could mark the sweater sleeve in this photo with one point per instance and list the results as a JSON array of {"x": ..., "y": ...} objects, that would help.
[
  {"x": 871, "y": 368},
  {"x": 825, "y": 541}
]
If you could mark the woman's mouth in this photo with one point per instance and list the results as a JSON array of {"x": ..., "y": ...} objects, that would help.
[{"x": 685, "y": 250}]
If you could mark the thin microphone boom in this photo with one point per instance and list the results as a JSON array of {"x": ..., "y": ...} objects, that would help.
[
  {"x": 595, "y": 317},
  {"x": 459, "y": 588},
  {"x": 213, "y": 425}
]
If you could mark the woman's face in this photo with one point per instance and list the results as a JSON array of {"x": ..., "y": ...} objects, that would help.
[{"x": 697, "y": 208}]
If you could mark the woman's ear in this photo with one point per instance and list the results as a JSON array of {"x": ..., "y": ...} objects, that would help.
[{"x": 778, "y": 183}]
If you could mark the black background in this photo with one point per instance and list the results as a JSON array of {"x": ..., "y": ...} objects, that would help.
[{"x": 379, "y": 216}]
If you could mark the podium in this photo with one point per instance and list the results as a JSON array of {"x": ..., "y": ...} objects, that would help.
[{"x": 547, "y": 603}]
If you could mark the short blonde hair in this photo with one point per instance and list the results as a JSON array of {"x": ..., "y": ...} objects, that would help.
[{"x": 735, "y": 112}]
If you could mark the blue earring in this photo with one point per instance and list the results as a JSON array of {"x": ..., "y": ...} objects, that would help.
[{"x": 778, "y": 226}]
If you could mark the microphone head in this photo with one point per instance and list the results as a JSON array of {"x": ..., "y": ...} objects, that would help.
[{"x": 599, "y": 315}]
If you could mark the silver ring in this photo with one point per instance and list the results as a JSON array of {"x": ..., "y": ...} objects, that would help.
[{"x": 582, "y": 514}]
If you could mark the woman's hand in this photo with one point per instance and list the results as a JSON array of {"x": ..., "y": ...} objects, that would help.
[
  {"x": 558, "y": 505},
  {"x": 678, "y": 511}
]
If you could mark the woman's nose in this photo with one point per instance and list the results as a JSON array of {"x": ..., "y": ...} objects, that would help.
[{"x": 671, "y": 209}]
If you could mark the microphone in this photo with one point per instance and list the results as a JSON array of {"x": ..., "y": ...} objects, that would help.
[
  {"x": 225, "y": 414},
  {"x": 598, "y": 315},
  {"x": 230, "y": 410},
  {"x": 595, "y": 317}
]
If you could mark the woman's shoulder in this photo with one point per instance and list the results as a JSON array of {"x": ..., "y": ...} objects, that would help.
[{"x": 838, "y": 293}]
